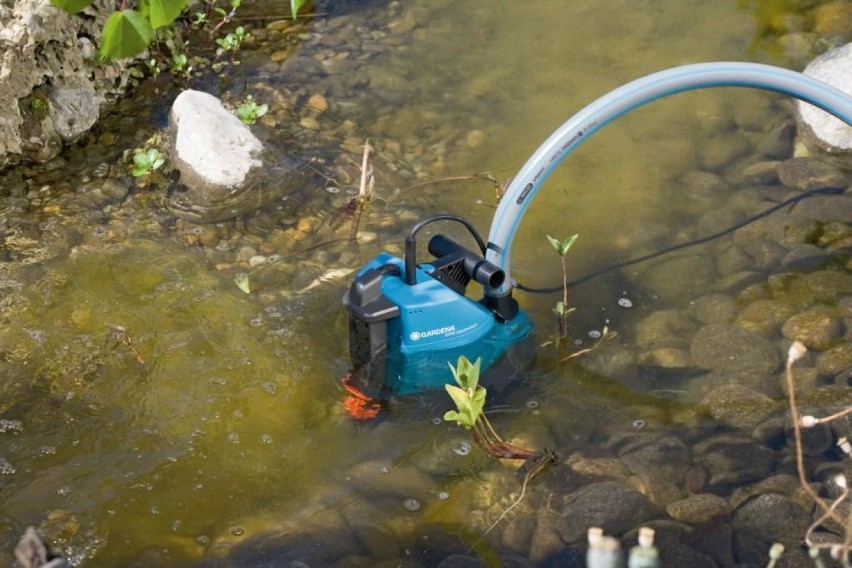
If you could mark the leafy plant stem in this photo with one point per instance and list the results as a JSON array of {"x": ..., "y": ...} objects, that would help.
[
  {"x": 563, "y": 317},
  {"x": 485, "y": 435}
]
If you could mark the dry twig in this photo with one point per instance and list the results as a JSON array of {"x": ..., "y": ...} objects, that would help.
[{"x": 838, "y": 551}]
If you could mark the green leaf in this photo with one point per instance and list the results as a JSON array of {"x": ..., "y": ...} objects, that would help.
[
  {"x": 295, "y": 6},
  {"x": 126, "y": 33},
  {"x": 567, "y": 244},
  {"x": 554, "y": 243},
  {"x": 460, "y": 397},
  {"x": 141, "y": 159},
  {"x": 164, "y": 12},
  {"x": 242, "y": 282},
  {"x": 477, "y": 403},
  {"x": 471, "y": 372},
  {"x": 466, "y": 373},
  {"x": 71, "y": 6},
  {"x": 453, "y": 416},
  {"x": 561, "y": 309}
]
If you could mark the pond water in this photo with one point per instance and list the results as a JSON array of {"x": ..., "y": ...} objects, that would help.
[{"x": 153, "y": 414}]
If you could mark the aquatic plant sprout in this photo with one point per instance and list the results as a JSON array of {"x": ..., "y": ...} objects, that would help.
[{"x": 607, "y": 108}]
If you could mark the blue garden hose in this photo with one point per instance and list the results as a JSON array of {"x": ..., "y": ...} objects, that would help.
[{"x": 607, "y": 108}]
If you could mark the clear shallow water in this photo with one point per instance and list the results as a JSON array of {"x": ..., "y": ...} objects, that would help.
[{"x": 234, "y": 424}]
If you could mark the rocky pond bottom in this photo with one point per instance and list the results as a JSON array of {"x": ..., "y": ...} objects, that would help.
[{"x": 699, "y": 444}]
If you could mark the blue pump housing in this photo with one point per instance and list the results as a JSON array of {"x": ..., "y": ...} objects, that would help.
[{"x": 404, "y": 333}]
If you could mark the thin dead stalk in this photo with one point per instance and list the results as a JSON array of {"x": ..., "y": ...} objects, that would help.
[
  {"x": 606, "y": 335},
  {"x": 838, "y": 551},
  {"x": 120, "y": 336},
  {"x": 499, "y": 187},
  {"x": 365, "y": 191},
  {"x": 534, "y": 465}
]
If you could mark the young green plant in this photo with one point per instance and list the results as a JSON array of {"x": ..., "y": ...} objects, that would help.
[
  {"x": 469, "y": 397},
  {"x": 231, "y": 42},
  {"x": 249, "y": 111},
  {"x": 146, "y": 162},
  {"x": 561, "y": 309}
]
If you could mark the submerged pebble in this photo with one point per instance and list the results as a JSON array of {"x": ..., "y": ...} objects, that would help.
[
  {"x": 11, "y": 426},
  {"x": 6, "y": 468}
]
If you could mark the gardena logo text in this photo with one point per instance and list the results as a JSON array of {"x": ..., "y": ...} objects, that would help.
[{"x": 417, "y": 335}]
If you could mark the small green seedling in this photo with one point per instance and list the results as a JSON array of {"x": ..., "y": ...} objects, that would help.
[
  {"x": 180, "y": 65},
  {"x": 468, "y": 395},
  {"x": 249, "y": 111},
  {"x": 146, "y": 162},
  {"x": 561, "y": 309},
  {"x": 231, "y": 42}
]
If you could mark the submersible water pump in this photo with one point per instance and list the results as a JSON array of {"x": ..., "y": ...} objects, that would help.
[{"x": 407, "y": 321}]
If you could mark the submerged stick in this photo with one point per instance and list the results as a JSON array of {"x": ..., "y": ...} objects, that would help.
[
  {"x": 534, "y": 465},
  {"x": 797, "y": 351}
]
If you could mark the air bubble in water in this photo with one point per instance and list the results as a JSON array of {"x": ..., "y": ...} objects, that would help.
[
  {"x": 532, "y": 403},
  {"x": 625, "y": 302},
  {"x": 443, "y": 495},
  {"x": 437, "y": 421},
  {"x": 463, "y": 448},
  {"x": 411, "y": 504},
  {"x": 595, "y": 334}
]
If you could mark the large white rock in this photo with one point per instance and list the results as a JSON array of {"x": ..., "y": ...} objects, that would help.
[
  {"x": 821, "y": 132},
  {"x": 213, "y": 150}
]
